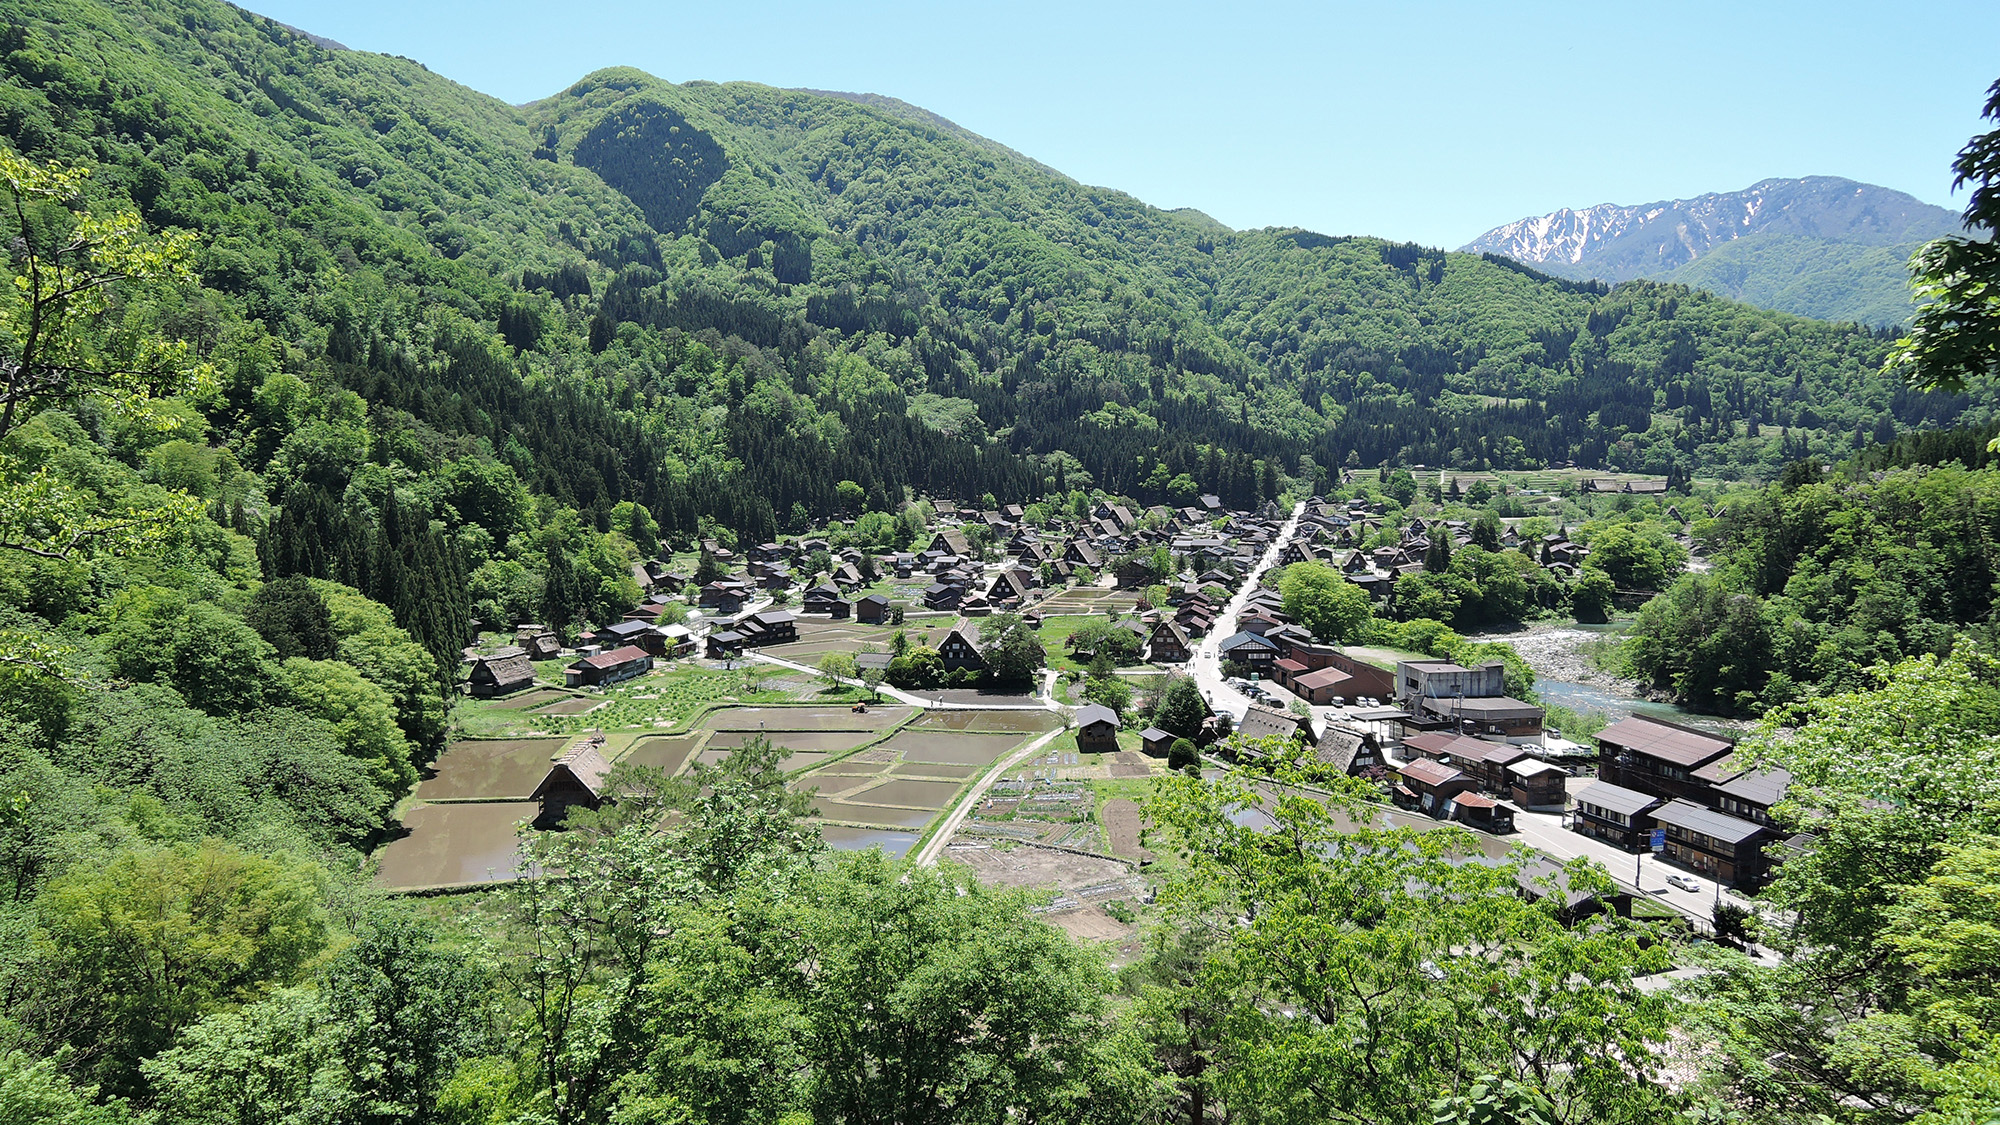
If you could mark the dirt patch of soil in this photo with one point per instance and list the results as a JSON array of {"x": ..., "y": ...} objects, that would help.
[
  {"x": 531, "y": 699},
  {"x": 1122, "y": 824},
  {"x": 570, "y": 707},
  {"x": 1126, "y": 763},
  {"x": 1036, "y": 867},
  {"x": 1091, "y": 923}
]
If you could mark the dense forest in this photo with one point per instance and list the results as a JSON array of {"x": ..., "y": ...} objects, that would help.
[
  {"x": 315, "y": 360},
  {"x": 1820, "y": 577}
]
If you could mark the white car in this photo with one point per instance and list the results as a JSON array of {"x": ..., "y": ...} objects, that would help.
[{"x": 1684, "y": 882}]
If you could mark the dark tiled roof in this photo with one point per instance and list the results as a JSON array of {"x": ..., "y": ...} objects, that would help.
[
  {"x": 1095, "y": 713},
  {"x": 1616, "y": 798},
  {"x": 1494, "y": 707},
  {"x": 1757, "y": 787},
  {"x": 1657, "y": 740},
  {"x": 614, "y": 658},
  {"x": 1694, "y": 818}
]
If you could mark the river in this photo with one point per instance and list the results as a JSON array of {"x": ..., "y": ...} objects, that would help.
[{"x": 1565, "y": 676}]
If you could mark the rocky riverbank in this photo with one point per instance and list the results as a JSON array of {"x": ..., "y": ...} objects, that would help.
[{"x": 1558, "y": 652}]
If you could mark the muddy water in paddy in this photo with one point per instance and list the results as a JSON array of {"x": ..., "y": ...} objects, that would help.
[
  {"x": 453, "y": 845},
  {"x": 873, "y": 814},
  {"x": 822, "y": 740},
  {"x": 951, "y": 749},
  {"x": 489, "y": 769},
  {"x": 922, "y": 794},
  {"x": 1024, "y": 721},
  {"x": 665, "y": 754},
  {"x": 895, "y": 844}
]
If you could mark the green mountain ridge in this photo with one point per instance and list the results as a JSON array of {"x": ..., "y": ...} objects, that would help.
[
  {"x": 719, "y": 300},
  {"x": 1819, "y": 278}
]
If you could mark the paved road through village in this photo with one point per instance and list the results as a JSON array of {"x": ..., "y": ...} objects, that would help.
[{"x": 1207, "y": 663}]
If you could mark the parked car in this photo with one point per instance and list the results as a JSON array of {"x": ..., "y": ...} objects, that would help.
[{"x": 1684, "y": 882}]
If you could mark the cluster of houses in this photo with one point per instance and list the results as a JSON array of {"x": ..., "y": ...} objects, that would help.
[
  {"x": 1338, "y": 536},
  {"x": 1270, "y": 645},
  {"x": 1221, "y": 544},
  {"x": 616, "y": 652},
  {"x": 1471, "y": 749},
  {"x": 1710, "y": 814}
]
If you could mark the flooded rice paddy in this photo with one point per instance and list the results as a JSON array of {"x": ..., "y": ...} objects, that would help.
[
  {"x": 489, "y": 769},
  {"x": 455, "y": 845},
  {"x": 895, "y": 844},
  {"x": 774, "y": 719},
  {"x": 951, "y": 749},
  {"x": 666, "y": 754},
  {"x": 1023, "y": 721}
]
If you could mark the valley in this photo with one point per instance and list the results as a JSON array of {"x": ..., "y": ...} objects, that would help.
[{"x": 693, "y": 603}]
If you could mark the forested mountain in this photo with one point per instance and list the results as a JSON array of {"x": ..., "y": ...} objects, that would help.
[
  {"x": 1820, "y": 246},
  {"x": 721, "y": 300}
]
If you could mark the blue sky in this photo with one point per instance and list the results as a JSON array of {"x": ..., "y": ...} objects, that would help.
[{"x": 1422, "y": 121}]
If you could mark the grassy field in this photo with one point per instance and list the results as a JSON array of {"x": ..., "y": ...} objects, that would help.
[
  {"x": 667, "y": 698},
  {"x": 1054, "y": 632}
]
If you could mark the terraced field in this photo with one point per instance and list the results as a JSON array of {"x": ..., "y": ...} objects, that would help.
[
  {"x": 884, "y": 774},
  {"x": 909, "y": 778}
]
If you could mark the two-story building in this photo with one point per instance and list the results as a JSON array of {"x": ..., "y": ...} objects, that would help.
[
  {"x": 1612, "y": 812},
  {"x": 1725, "y": 848},
  {"x": 960, "y": 650},
  {"x": 1656, "y": 757},
  {"x": 1469, "y": 700}
]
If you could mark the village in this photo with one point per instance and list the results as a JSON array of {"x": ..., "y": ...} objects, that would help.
[{"x": 870, "y": 672}]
